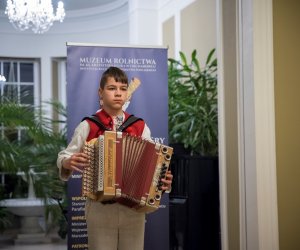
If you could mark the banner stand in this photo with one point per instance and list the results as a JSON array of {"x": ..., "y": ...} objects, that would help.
[{"x": 85, "y": 65}]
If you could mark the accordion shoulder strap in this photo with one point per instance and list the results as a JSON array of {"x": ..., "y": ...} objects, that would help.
[
  {"x": 96, "y": 120},
  {"x": 129, "y": 121}
]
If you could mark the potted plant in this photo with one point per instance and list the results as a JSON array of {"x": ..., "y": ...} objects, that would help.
[
  {"x": 29, "y": 144},
  {"x": 193, "y": 124},
  {"x": 193, "y": 111}
]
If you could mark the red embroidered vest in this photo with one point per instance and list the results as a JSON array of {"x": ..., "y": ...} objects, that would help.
[{"x": 136, "y": 128}]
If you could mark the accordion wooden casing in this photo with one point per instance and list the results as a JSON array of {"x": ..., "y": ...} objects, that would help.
[{"x": 127, "y": 169}]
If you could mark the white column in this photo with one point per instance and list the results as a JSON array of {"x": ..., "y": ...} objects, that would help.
[
  {"x": 258, "y": 183},
  {"x": 46, "y": 85},
  {"x": 248, "y": 41},
  {"x": 46, "y": 79},
  {"x": 265, "y": 124},
  {"x": 62, "y": 81},
  {"x": 143, "y": 22}
]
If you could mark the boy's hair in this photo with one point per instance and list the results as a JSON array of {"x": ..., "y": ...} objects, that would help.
[{"x": 118, "y": 74}]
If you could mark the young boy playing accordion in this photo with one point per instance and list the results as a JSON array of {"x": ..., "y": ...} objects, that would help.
[{"x": 110, "y": 225}]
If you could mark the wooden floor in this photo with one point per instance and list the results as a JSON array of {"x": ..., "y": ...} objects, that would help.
[
  {"x": 52, "y": 242},
  {"x": 56, "y": 246}
]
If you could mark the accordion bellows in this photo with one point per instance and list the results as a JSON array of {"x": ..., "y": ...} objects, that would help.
[{"x": 127, "y": 169}]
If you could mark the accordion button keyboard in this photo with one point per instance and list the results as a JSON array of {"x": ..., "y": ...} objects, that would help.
[
  {"x": 159, "y": 186},
  {"x": 163, "y": 173},
  {"x": 164, "y": 166}
]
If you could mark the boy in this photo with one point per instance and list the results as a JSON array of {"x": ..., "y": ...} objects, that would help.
[{"x": 110, "y": 225}]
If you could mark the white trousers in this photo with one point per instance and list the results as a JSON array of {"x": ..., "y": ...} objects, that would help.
[{"x": 114, "y": 227}]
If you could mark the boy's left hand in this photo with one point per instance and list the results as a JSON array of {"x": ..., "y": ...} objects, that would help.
[{"x": 167, "y": 181}]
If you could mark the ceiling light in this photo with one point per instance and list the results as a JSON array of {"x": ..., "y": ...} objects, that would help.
[
  {"x": 34, "y": 14},
  {"x": 2, "y": 78}
]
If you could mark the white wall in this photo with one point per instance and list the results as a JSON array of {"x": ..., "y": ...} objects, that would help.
[
  {"x": 88, "y": 26},
  {"x": 122, "y": 22}
]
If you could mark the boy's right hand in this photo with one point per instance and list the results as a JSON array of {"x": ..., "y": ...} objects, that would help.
[{"x": 77, "y": 162}]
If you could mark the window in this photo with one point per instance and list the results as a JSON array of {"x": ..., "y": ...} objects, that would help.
[
  {"x": 21, "y": 84},
  {"x": 59, "y": 66},
  {"x": 22, "y": 87}
]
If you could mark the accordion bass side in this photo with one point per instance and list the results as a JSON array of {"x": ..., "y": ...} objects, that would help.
[{"x": 127, "y": 169}]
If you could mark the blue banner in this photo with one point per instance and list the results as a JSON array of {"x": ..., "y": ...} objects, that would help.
[{"x": 85, "y": 65}]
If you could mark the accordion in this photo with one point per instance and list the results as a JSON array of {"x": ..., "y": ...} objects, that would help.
[{"x": 127, "y": 169}]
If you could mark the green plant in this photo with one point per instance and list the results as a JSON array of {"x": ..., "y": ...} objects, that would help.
[
  {"x": 4, "y": 214},
  {"x": 29, "y": 140},
  {"x": 193, "y": 111},
  {"x": 4, "y": 219}
]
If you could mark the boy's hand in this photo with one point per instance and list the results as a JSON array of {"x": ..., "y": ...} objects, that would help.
[
  {"x": 77, "y": 162},
  {"x": 167, "y": 181}
]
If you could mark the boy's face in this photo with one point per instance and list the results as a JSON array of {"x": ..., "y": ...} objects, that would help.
[{"x": 113, "y": 95}]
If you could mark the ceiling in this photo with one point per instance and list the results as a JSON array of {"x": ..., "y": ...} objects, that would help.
[
  {"x": 81, "y": 13},
  {"x": 83, "y": 4},
  {"x": 77, "y": 5}
]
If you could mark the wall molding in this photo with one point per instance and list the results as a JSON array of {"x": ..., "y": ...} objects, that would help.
[
  {"x": 253, "y": 80},
  {"x": 257, "y": 153},
  {"x": 265, "y": 125}
]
